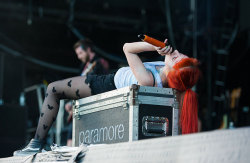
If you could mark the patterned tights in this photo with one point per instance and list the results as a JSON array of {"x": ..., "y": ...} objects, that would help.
[{"x": 72, "y": 88}]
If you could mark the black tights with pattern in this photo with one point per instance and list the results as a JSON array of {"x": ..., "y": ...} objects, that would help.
[{"x": 72, "y": 88}]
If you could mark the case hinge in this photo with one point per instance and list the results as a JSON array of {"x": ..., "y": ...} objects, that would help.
[{"x": 134, "y": 95}]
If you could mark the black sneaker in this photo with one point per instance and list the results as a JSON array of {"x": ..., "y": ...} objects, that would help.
[{"x": 34, "y": 146}]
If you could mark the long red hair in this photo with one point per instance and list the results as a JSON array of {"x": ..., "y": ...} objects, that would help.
[{"x": 183, "y": 77}]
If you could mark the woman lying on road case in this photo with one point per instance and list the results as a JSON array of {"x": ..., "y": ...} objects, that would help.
[{"x": 177, "y": 71}]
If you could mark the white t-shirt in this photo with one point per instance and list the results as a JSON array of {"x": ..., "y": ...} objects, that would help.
[{"x": 124, "y": 76}]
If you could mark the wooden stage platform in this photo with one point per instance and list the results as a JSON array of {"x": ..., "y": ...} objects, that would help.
[{"x": 229, "y": 146}]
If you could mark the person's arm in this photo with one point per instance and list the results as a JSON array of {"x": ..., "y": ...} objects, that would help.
[
  {"x": 131, "y": 49},
  {"x": 105, "y": 65}
]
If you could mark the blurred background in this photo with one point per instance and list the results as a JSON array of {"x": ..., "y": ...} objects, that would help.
[{"x": 36, "y": 48}]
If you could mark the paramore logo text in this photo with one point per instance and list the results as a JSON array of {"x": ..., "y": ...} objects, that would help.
[{"x": 102, "y": 135}]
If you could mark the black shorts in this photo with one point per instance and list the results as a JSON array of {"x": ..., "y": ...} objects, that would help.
[{"x": 100, "y": 83}]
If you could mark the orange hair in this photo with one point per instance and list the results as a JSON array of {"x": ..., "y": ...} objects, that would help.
[{"x": 183, "y": 77}]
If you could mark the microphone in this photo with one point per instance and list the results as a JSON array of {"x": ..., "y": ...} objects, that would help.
[{"x": 152, "y": 40}]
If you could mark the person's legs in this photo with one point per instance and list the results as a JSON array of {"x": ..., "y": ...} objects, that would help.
[{"x": 71, "y": 88}]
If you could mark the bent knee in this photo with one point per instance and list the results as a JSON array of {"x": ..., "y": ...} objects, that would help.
[{"x": 53, "y": 87}]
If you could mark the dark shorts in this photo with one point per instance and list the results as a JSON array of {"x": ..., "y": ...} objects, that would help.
[{"x": 100, "y": 83}]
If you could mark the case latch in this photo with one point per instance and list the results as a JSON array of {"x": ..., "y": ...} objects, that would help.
[{"x": 155, "y": 126}]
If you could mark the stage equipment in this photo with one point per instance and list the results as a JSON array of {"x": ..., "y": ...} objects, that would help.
[{"x": 126, "y": 114}]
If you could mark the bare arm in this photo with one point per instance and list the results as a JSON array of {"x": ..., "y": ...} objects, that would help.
[{"x": 131, "y": 49}]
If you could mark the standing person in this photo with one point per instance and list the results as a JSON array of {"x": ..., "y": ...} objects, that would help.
[
  {"x": 92, "y": 63},
  {"x": 177, "y": 71}
]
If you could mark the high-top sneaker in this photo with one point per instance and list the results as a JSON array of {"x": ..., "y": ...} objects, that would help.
[{"x": 34, "y": 146}]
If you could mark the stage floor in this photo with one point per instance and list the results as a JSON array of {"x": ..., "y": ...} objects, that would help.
[{"x": 218, "y": 146}]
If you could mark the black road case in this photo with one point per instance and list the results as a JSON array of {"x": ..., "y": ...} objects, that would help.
[{"x": 126, "y": 114}]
